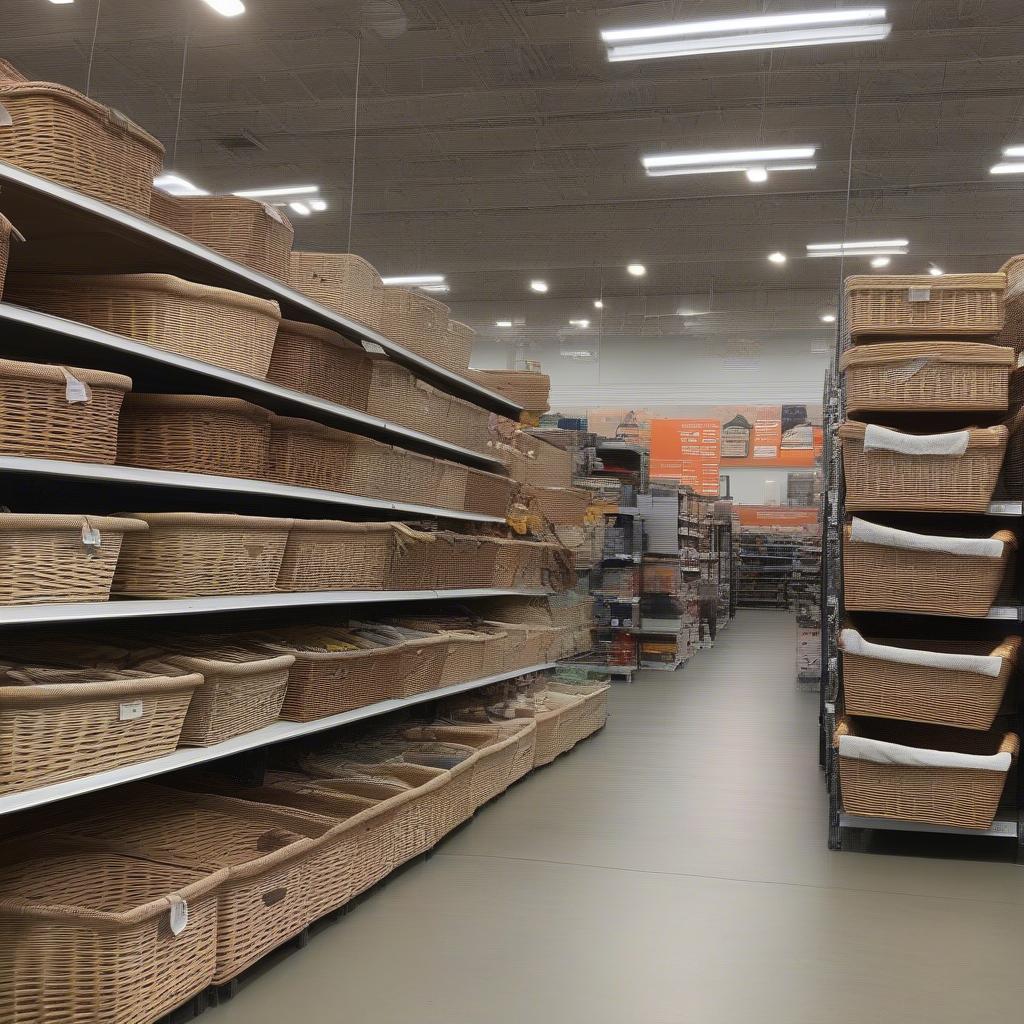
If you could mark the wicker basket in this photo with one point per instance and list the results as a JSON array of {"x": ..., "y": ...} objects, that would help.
[
  {"x": 319, "y": 362},
  {"x": 378, "y": 470},
  {"x": 240, "y": 691},
  {"x": 878, "y": 577},
  {"x": 38, "y": 421},
  {"x": 463, "y": 562},
  {"x": 879, "y": 479},
  {"x": 188, "y": 554},
  {"x": 213, "y": 325},
  {"x": 877, "y": 685},
  {"x": 417, "y": 322},
  {"x": 466, "y": 657},
  {"x": 529, "y": 645},
  {"x": 458, "y": 346},
  {"x": 195, "y": 434},
  {"x": 950, "y": 304},
  {"x": 57, "y": 559},
  {"x": 307, "y": 454},
  {"x": 245, "y": 230},
  {"x": 560, "y": 506},
  {"x": 330, "y": 555},
  {"x": 422, "y": 664},
  {"x": 60, "y": 724},
  {"x": 342, "y": 282},
  {"x": 490, "y": 494},
  {"x": 87, "y": 935},
  {"x": 546, "y": 465},
  {"x": 584, "y": 717},
  {"x": 60, "y": 134},
  {"x": 927, "y": 375},
  {"x": 964, "y": 796},
  {"x": 526, "y": 388}
]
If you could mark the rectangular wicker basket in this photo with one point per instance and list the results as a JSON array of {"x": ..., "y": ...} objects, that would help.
[
  {"x": 341, "y": 281},
  {"x": 929, "y": 483},
  {"x": 961, "y": 797},
  {"x": 195, "y": 434},
  {"x": 189, "y": 554},
  {"x": 87, "y": 935},
  {"x": 891, "y": 579},
  {"x": 38, "y": 421},
  {"x": 546, "y": 464},
  {"x": 304, "y": 453},
  {"x": 378, "y": 470},
  {"x": 927, "y": 375},
  {"x": 213, "y": 325},
  {"x": 316, "y": 361},
  {"x": 245, "y": 230},
  {"x": 60, "y": 134},
  {"x": 490, "y": 494},
  {"x": 918, "y": 304},
  {"x": 461, "y": 561},
  {"x": 958, "y": 697},
  {"x": 417, "y": 322},
  {"x": 559, "y": 506},
  {"x": 526, "y": 388}
]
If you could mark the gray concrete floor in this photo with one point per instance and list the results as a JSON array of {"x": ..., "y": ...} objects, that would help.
[{"x": 670, "y": 870}]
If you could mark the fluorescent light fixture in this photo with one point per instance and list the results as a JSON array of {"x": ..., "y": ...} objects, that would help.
[
  {"x": 284, "y": 190},
  {"x": 1007, "y": 169},
  {"x": 828, "y": 318},
  {"x": 637, "y": 269},
  {"x": 691, "y": 312},
  {"x": 1013, "y": 151},
  {"x": 317, "y": 204},
  {"x": 598, "y": 304},
  {"x": 415, "y": 279},
  {"x": 580, "y": 323},
  {"x": 442, "y": 288},
  {"x": 62, "y": 1},
  {"x": 300, "y": 208},
  {"x": 739, "y": 157},
  {"x": 537, "y": 285},
  {"x": 777, "y": 257},
  {"x": 229, "y": 8},
  {"x": 502, "y": 323},
  {"x": 935, "y": 271},
  {"x": 757, "y": 175},
  {"x": 881, "y": 261},
  {"x": 883, "y": 247},
  {"x": 175, "y": 184}
]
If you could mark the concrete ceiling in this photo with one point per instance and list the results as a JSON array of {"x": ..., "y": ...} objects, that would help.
[{"x": 496, "y": 143}]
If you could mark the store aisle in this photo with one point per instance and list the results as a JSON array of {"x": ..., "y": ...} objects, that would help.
[{"x": 671, "y": 869}]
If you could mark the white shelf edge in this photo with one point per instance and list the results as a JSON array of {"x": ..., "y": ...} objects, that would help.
[
  {"x": 11, "y": 313},
  {"x": 236, "y": 485},
  {"x": 279, "y": 732},
  {"x": 144, "y": 227},
  {"x": 1002, "y": 828},
  {"x": 91, "y": 611}
]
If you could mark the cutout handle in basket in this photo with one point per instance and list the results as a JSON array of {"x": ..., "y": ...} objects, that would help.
[
  {"x": 274, "y": 839},
  {"x": 274, "y": 896}
]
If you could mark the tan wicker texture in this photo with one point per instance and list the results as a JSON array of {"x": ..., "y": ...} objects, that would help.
[
  {"x": 214, "y": 325},
  {"x": 188, "y": 554},
  {"x": 916, "y": 693},
  {"x": 422, "y": 664},
  {"x": 37, "y": 420},
  {"x": 56, "y": 558},
  {"x": 879, "y": 578},
  {"x": 245, "y": 230},
  {"x": 195, "y": 434},
  {"x": 927, "y": 483},
  {"x": 527, "y": 388},
  {"x": 1013, "y": 463},
  {"x": 559, "y": 506},
  {"x": 319, "y": 362},
  {"x": 86, "y": 936},
  {"x": 382, "y": 471},
  {"x": 960, "y": 797},
  {"x": 927, "y": 375},
  {"x": 342, "y": 282},
  {"x": 56, "y": 726},
  {"x": 918, "y": 304},
  {"x": 307, "y": 454},
  {"x": 458, "y": 346},
  {"x": 466, "y": 657},
  {"x": 7, "y": 230},
  {"x": 417, "y": 322},
  {"x": 546, "y": 465},
  {"x": 60, "y": 134},
  {"x": 489, "y": 494},
  {"x": 463, "y": 561}
]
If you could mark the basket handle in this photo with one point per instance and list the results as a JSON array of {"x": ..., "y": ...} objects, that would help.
[{"x": 273, "y": 896}]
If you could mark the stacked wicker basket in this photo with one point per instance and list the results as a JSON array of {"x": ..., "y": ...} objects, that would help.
[{"x": 926, "y": 385}]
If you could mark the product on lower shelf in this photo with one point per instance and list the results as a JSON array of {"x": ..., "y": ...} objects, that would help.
[{"x": 312, "y": 359}]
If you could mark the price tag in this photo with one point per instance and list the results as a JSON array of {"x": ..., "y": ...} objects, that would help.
[
  {"x": 919, "y": 294},
  {"x": 91, "y": 538},
  {"x": 131, "y": 711},
  {"x": 75, "y": 391},
  {"x": 179, "y": 915}
]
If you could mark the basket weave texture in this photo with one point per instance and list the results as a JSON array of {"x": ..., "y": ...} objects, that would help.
[
  {"x": 417, "y": 322},
  {"x": 488, "y": 493},
  {"x": 307, "y": 454},
  {"x": 341, "y": 281},
  {"x": 560, "y": 506},
  {"x": 312, "y": 359},
  {"x": 6, "y": 230},
  {"x": 527, "y": 388},
  {"x": 546, "y": 465}
]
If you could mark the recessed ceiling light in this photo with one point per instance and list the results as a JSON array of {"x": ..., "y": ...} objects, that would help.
[
  {"x": 284, "y": 190},
  {"x": 229, "y": 8},
  {"x": 637, "y": 269},
  {"x": 828, "y": 318},
  {"x": 757, "y": 174},
  {"x": 763, "y": 32},
  {"x": 414, "y": 279},
  {"x": 598, "y": 304},
  {"x": 300, "y": 208},
  {"x": 537, "y": 285},
  {"x": 580, "y": 323},
  {"x": 176, "y": 185},
  {"x": 502, "y": 323},
  {"x": 880, "y": 261},
  {"x": 776, "y": 257},
  {"x": 317, "y": 204},
  {"x": 935, "y": 271}
]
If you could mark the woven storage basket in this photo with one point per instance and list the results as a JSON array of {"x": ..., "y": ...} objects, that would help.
[
  {"x": 458, "y": 346},
  {"x": 342, "y": 282},
  {"x": 189, "y": 554},
  {"x": 378, "y": 470},
  {"x": 37, "y": 420},
  {"x": 60, "y": 134},
  {"x": 961, "y": 797},
  {"x": 240, "y": 691},
  {"x": 1013, "y": 463},
  {"x": 87, "y": 935},
  {"x": 961, "y": 697},
  {"x": 489, "y": 494},
  {"x": 330, "y": 555},
  {"x": 269, "y": 854},
  {"x": 546, "y": 465},
  {"x": 891, "y": 579},
  {"x": 560, "y": 506},
  {"x": 933, "y": 483},
  {"x": 214, "y": 325},
  {"x": 245, "y": 230},
  {"x": 550, "y": 733},
  {"x": 586, "y": 717},
  {"x": 523, "y": 387},
  {"x": 417, "y": 322},
  {"x": 918, "y": 304},
  {"x": 529, "y": 645},
  {"x": 462, "y": 561},
  {"x": 509, "y": 563},
  {"x": 195, "y": 434},
  {"x": 422, "y": 662},
  {"x": 307, "y": 454},
  {"x": 319, "y": 362},
  {"x": 466, "y": 657},
  {"x": 65, "y": 724},
  {"x": 56, "y": 559},
  {"x": 927, "y": 375}
]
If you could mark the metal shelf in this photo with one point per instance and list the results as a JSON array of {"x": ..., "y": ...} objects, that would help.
[
  {"x": 135, "y": 476},
  {"x": 24, "y": 326},
  {"x": 1002, "y": 828},
  {"x": 60, "y": 221},
  {"x": 91, "y": 611},
  {"x": 276, "y": 733}
]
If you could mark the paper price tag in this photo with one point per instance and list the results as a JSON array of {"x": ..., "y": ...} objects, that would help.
[
  {"x": 919, "y": 294},
  {"x": 178, "y": 915},
  {"x": 902, "y": 373},
  {"x": 75, "y": 391},
  {"x": 130, "y": 712},
  {"x": 91, "y": 538}
]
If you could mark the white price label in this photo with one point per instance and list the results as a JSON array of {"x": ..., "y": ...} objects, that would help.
[
  {"x": 131, "y": 711},
  {"x": 919, "y": 294},
  {"x": 75, "y": 391},
  {"x": 179, "y": 915}
]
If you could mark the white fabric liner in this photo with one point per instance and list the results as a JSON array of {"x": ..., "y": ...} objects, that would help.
[
  {"x": 980, "y": 664},
  {"x": 862, "y": 748},
  {"x": 863, "y": 532},
  {"x": 878, "y": 438}
]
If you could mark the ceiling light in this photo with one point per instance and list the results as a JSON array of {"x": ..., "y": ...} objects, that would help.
[
  {"x": 828, "y": 318},
  {"x": 757, "y": 174},
  {"x": 62, "y": 1},
  {"x": 580, "y": 323},
  {"x": 442, "y": 288},
  {"x": 1007, "y": 169},
  {"x": 637, "y": 269},
  {"x": 229, "y": 8},
  {"x": 414, "y": 279},
  {"x": 776, "y": 257},
  {"x": 935, "y": 271},
  {"x": 598, "y": 304},
  {"x": 317, "y": 204},
  {"x": 1013, "y": 151},
  {"x": 537, "y": 285},
  {"x": 742, "y": 157},
  {"x": 300, "y": 208},
  {"x": 762, "y": 32},
  {"x": 175, "y": 184},
  {"x": 880, "y": 261},
  {"x": 691, "y": 312},
  {"x": 284, "y": 190},
  {"x": 502, "y": 323},
  {"x": 884, "y": 247}
]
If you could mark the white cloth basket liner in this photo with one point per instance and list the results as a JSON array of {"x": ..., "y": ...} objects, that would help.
[
  {"x": 863, "y": 532},
  {"x": 980, "y": 664},
  {"x": 863, "y": 748},
  {"x": 883, "y": 439}
]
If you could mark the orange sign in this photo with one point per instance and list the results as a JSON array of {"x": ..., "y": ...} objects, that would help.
[
  {"x": 776, "y": 515},
  {"x": 688, "y": 451}
]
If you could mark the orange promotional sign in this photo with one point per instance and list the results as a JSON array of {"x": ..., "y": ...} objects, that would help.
[
  {"x": 688, "y": 451},
  {"x": 776, "y": 515}
]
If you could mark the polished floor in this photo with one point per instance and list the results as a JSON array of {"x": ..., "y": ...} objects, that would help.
[{"x": 670, "y": 870}]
